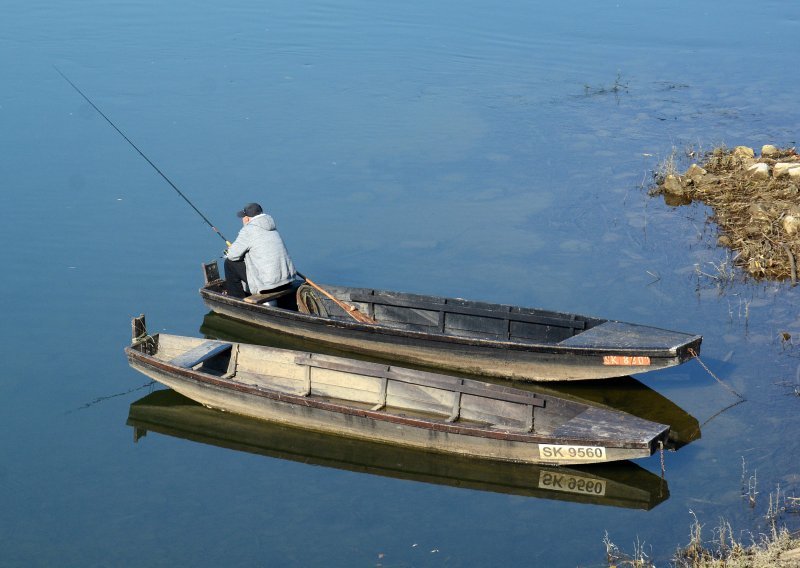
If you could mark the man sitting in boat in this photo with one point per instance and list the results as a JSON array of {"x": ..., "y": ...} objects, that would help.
[{"x": 257, "y": 261}]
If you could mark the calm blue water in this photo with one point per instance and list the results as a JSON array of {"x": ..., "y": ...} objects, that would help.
[{"x": 460, "y": 148}]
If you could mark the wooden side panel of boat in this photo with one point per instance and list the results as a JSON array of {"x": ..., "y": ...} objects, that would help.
[{"x": 464, "y": 318}]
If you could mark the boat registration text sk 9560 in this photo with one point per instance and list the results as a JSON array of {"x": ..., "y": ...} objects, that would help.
[{"x": 562, "y": 452}]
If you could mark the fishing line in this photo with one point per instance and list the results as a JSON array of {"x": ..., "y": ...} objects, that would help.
[{"x": 128, "y": 140}]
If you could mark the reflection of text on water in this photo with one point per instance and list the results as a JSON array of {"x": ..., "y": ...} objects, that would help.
[{"x": 572, "y": 484}]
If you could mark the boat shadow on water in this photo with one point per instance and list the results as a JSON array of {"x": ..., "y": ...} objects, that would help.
[
  {"x": 625, "y": 394},
  {"x": 621, "y": 484}
]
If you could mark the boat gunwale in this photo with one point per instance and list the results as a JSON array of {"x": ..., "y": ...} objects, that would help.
[
  {"x": 682, "y": 352},
  {"x": 199, "y": 377}
]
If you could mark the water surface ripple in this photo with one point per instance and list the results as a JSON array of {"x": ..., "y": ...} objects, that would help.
[{"x": 493, "y": 152}]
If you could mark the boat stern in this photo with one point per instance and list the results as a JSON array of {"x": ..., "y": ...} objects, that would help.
[{"x": 619, "y": 436}]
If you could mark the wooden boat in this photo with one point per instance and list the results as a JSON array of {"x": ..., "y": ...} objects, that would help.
[
  {"x": 390, "y": 404},
  {"x": 626, "y": 394},
  {"x": 618, "y": 484},
  {"x": 460, "y": 335}
]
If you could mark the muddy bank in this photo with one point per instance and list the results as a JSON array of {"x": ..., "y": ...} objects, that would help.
[{"x": 755, "y": 202}]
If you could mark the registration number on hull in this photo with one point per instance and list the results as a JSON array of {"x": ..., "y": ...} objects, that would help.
[
  {"x": 572, "y": 483},
  {"x": 572, "y": 453},
  {"x": 626, "y": 360}
]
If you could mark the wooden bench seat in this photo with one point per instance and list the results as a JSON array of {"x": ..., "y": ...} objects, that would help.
[
  {"x": 267, "y": 296},
  {"x": 200, "y": 354}
]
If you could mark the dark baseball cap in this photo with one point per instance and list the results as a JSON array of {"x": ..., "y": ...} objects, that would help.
[{"x": 250, "y": 210}]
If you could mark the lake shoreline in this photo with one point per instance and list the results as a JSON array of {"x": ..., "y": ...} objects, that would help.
[{"x": 755, "y": 202}]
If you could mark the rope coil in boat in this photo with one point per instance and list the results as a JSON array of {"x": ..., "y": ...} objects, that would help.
[{"x": 309, "y": 302}]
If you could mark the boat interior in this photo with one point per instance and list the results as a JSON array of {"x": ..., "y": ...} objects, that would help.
[
  {"x": 463, "y": 318},
  {"x": 369, "y": 386},
  {"x": 456, "y": 317},
  {"x": 423, "y": 313}
]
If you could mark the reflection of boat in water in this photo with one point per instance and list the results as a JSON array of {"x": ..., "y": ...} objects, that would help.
[
  {"x": 622, "y": 484},
  {"x": 624, "y": 393}
]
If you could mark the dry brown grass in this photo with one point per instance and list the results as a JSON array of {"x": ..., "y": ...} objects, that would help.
[
  {"x": 777, "y": 548},
  {"x": 780, "y": 550},
  {"x": 758, "y": 217}
]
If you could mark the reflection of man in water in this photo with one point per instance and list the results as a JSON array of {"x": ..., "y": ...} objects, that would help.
[{"x": 257, "y": 258}]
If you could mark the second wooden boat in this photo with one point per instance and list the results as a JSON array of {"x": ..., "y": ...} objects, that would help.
[
  {"x": 390, "y": 404},
  {"x": 625, "y": 394}
]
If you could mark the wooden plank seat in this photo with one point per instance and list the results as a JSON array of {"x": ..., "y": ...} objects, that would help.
[
  {"x": 269, "y": 295},
  {"x": 200, "y": 354},
  {"x": 506, "y": 314}
]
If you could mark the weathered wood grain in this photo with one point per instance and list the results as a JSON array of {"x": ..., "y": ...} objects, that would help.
[{"x": 200, "y": 353}]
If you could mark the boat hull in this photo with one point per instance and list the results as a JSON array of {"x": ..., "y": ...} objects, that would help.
[
  {"x": 502, "y": 359},
  {"x": 325, "y": 416}
]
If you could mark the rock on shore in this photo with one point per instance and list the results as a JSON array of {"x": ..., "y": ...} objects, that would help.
[{"x": 755, "y": 200}]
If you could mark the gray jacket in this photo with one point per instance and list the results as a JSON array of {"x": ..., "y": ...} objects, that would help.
[{"x": 265, "y": 257}]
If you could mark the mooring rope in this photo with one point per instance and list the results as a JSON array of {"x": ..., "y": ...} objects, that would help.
[
  {"x": 694, "y": 354},
  {"x": 110, "y": 396},
  {"x": 146, "y": 339},
  {"x": 144, "y": 336}
]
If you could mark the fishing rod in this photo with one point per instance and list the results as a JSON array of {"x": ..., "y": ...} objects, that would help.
[
  {"x": 354, "y": 313},
  {"x": 128, "y": 140}
]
